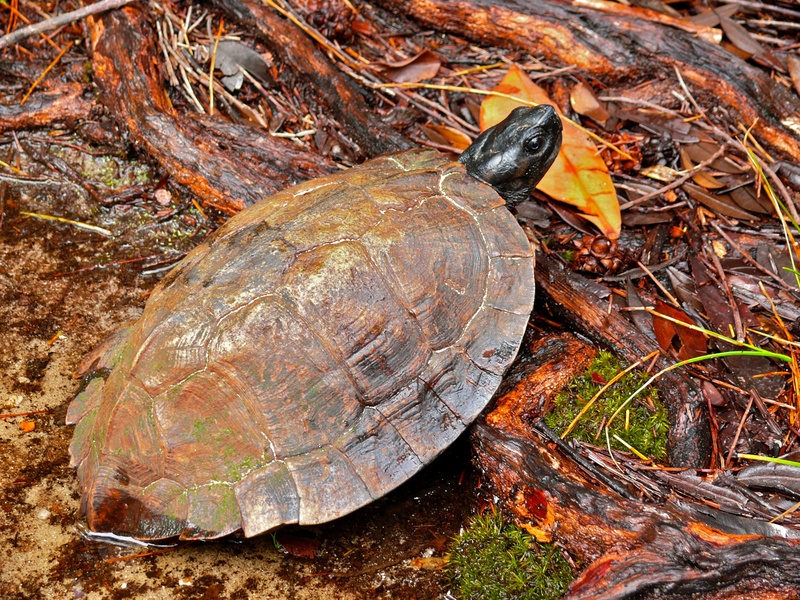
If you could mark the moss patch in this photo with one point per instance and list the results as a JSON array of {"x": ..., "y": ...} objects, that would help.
[
  {"x": 494, "y": 560},
  {"x": 642, "y": 424}
]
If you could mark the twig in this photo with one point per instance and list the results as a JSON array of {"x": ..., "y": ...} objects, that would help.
[
  {"x": 764, "y": 6},
  {"x": 680, "y": 181},
  {"x": 16, "y": 14},
  {"x": 686, "y": 91},
  {"x": 738, "y": 433},
  {"x": 723, "y": 281},
  {"x": 26, "y": 414},
  {"x": 79, "y": 224},
  {"x": 749, "y": 259},
  {"x": 660, "y": 285},
  {"x": 55, "y": 22}
]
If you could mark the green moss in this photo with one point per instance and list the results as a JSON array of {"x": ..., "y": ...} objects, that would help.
[
  {"x": 643, "y": 423},
  {"x": 494, "y": 560}
]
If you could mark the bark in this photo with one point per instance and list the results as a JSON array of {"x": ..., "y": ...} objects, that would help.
[
  {"x": 631, "y": 547},
  {"x": 318, "y": 75},
  {"x": 64, "y": 104},
  {"x": 228, "y": 166},
  {"x": 620, "y": 49}
]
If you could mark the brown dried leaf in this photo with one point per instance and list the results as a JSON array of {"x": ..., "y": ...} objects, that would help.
[
  {"x": 296, "y": 545},
  {"x": 794, "y": 70},
  {"x": 739, "y": 36},
  {"x": 584, "y": 102},
  {"x": 686, "y": 342},
  {"x": 702, "y": 151},
  {"x": 413, "y": 70},
  {"x": 700, "y": 178},
  {"x": 578, "y": 176},
  {"x": 722, "y": 204},
  {"x": 710, "y": 18},
  {"x": 746, "y": 199}
]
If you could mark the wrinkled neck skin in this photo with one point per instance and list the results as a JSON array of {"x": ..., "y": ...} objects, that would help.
[{"x": 503, "y": 157}]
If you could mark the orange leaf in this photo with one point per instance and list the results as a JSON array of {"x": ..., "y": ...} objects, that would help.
[
  {"x": 687, "y": 342},
  {"x": 27, "y": 426},
  {"x": 450, "y": 136},
  {"x": 578, "y": 176}
]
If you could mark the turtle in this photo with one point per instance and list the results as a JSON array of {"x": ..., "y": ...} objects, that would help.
[{"x": 319, "y": 348}]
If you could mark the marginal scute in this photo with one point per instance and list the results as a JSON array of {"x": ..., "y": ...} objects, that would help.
[
  {"x": 88, "y": 400},
  {"x": 322, "y": 476},
  {"x": 213, "y": 512},
  {"x": 460, "y": 384},
  {"x": 382, "y": 459},
  {"x": 424, "y": 422},
  {"x": 493, "y": 337},
  {"x": 267, "y": 498},
  {"x": 107, "y": 354}
]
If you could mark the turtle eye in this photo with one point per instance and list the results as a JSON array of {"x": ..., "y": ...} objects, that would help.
[{"x": 534, "y": 143}]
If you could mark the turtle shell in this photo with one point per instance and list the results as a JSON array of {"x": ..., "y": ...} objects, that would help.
[{"x": 313, "y": 354}]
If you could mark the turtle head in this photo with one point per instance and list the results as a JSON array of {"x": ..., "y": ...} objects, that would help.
[{"x": 515, "y": 154}]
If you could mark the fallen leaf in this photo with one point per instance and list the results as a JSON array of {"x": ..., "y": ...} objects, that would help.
[
  {"x": 434, "y": 563},
  {"x": 584, "y": 102},
  {"x": 688, "y": 343},
  {"x": 422, "y": 66},
  {"x": 794, "y": 70},
  {"x": 231, "y": 55},
  {"x": 579, "y": 176},
  {"x": 449, "y": 136},
  {"x": 700, "y": 178},
  {"x": 297, "y": 545},
  {"x": 722, "y": 204},
  {"x": 27, "y": 426},
  {"x": 739, "y": 37}
]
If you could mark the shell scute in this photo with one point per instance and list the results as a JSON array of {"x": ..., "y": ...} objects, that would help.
[
  {"x": 208, "y": 437},
  {"x": 346, "y": 301},
  {"x": 213, "y": 512},
  {"x": 325, "y": 473},
  {"x": 293, "y": 418},
  {"x": 372, "y": 447},
  {"x": 426, "y": 424},
  {"x": 267, "y": 498}
]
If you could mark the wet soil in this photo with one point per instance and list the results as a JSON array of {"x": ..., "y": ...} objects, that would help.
[{"x": 62, "y": 290}]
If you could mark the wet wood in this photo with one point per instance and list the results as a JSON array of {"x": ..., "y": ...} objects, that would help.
[
  {"x": 619, "y": 48},
  {"x": 578, "y": 302},
  {"x": 316, "y": 77},
  {"x": 629, "y": 548},
  {"x": 226, "y": 165},
  {"x": 61, "y": 105}
]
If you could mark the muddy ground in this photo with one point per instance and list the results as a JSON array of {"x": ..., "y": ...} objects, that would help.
[{"x": 62, "y": 289}]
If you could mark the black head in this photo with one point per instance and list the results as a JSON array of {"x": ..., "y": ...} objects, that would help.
[{"x": 515, "y": 154}]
